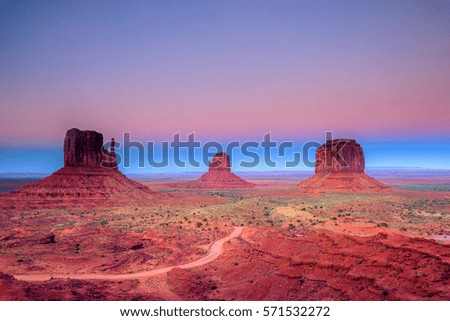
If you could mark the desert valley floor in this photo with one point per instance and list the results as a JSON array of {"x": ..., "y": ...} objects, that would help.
[{"x": 271, "y": 242}]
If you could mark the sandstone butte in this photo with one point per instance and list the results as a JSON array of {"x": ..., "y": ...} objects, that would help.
[
  {"x": 218, "y": 176},
  {"x": 90, "y": 173},
  {"x": 340, "y": 166}
]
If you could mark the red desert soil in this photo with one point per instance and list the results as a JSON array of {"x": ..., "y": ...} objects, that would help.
[
  {"x": 264, "y": 264},
  {"x": 214, "y": 251},
  {"x": 295, "y": 246}
]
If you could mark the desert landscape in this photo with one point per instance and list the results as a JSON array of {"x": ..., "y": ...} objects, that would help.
[
  {"x": 88, "y": 232},
  {"x": 225, "y": 151}
]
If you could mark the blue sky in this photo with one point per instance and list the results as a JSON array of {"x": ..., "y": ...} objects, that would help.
[{"x": 428, "y": 154}]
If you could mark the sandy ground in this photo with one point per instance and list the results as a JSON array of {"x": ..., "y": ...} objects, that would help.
[
  {"x": 214, "y": 251},
  {"x": 392, "y": 245}
]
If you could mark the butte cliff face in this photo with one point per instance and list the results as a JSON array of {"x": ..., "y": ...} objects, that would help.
[
  {"x": 85, "y": 149},
  {"x": 219, "y": 176},
  {"x": 340, "y": 156},
  {"x": 220, "y": 162},
  {"x": 340, "y": 166},
  {"x": 89, "y": 174}
]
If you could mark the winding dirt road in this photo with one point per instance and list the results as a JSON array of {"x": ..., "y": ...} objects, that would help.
[{"x": 214, "y": 251}]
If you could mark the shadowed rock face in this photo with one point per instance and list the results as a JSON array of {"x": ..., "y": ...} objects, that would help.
[
  {"x": 220, "y": 162},
  {"x": 85, "y": 149},
  {"x": 340, "y": 156}
]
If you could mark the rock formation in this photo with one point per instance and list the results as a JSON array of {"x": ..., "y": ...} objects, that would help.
[
  {"x": 85, "y": 149},
  {"x": 340, "y": 156},
  {"x": 220, "y": 162},
  {"x": 340, "y": 166},
  {"x": 89, "y": 174},
  {"x": 219, "y": 176}
]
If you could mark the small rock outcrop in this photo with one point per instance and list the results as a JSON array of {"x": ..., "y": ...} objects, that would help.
[
  {"x": 340, "y": 165},
  {"x": 47, "y": 239}
]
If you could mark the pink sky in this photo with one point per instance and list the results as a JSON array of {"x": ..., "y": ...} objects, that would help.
[{"x": 225, "y": 70}]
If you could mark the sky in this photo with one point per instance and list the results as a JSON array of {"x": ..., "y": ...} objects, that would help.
[{"x": 376, "y": 71}]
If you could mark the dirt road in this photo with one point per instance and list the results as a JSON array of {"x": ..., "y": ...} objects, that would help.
[{"x": 214, "y": 251}]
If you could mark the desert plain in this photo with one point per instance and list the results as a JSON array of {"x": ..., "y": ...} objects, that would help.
[{"x": 288, "y": 244}]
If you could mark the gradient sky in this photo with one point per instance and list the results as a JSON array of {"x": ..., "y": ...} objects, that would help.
[{"x": 377, "y": 71}]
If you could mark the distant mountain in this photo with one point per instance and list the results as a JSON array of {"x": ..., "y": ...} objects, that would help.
[
  {"x": 409, "y": 173},
  {"x": 24, "y": 175},
  {"x": 163, "y": 176},
  {"x": 195, "y": 175},
  {"x": 394, "y": 168}
]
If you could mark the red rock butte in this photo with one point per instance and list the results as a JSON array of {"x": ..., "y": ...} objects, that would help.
[
  {"x": 219, "y": 176},
  {"x": 340, "y": 165},
  {"x": 90, "y": 173},
  {"x": 85, "y": 149}
]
